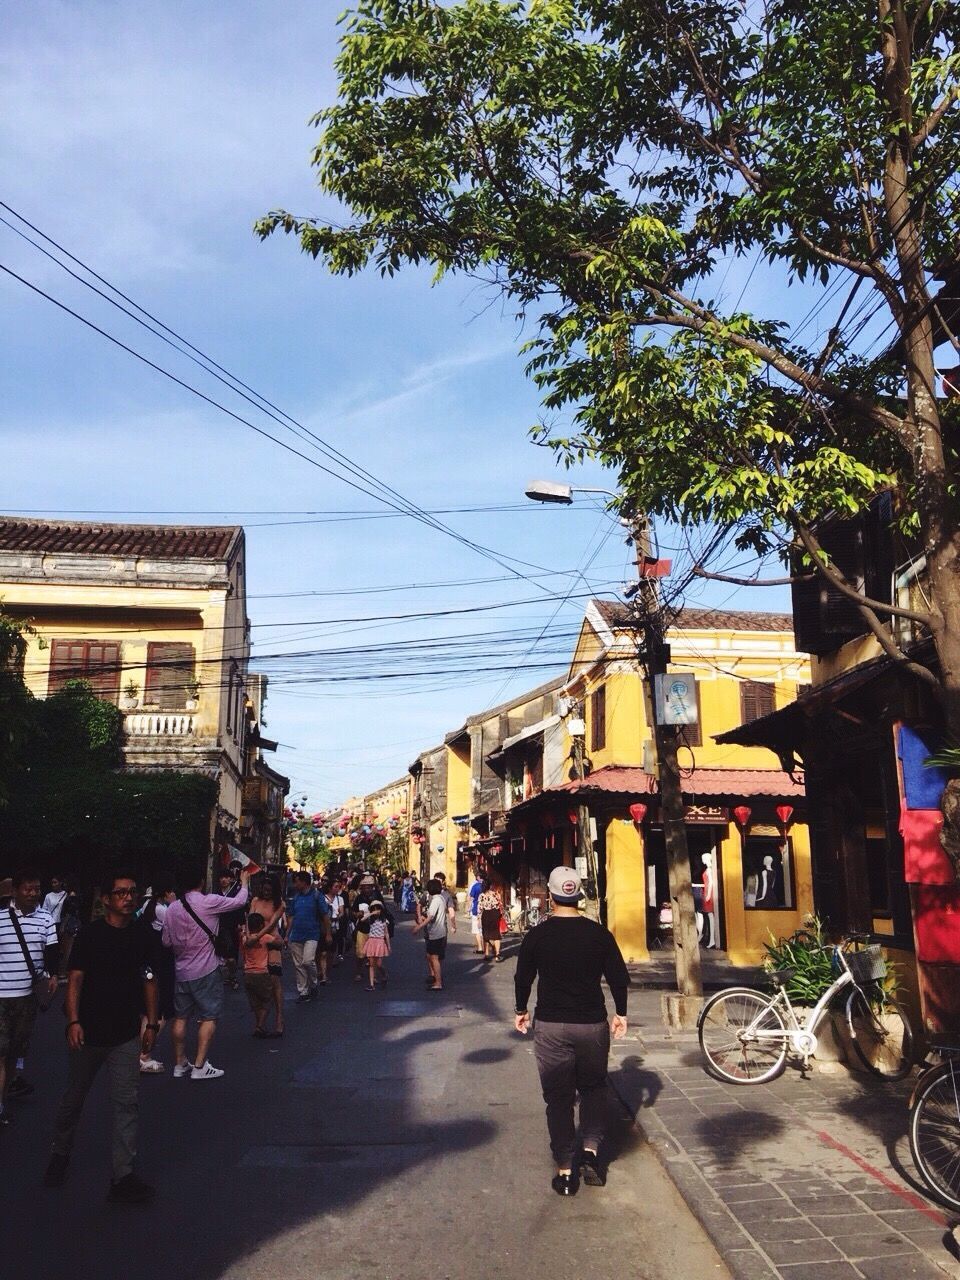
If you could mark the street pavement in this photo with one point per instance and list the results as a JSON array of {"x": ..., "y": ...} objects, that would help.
[
  {"x": 801, "y": 1179},
  {"x": 397, "y": 1133}
]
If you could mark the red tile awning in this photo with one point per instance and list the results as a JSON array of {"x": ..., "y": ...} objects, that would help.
[{"x": 705, "y": 783}]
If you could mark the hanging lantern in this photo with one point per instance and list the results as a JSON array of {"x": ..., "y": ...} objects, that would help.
[
  {"x": 638, "y": 812},
  {"x": 742, "y": 814},
  {"x": 784, "y": 813},
  {"x": 572, "y": 815}
]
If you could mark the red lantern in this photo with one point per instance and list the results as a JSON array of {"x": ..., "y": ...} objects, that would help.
[
  {"x": 572, "y": 815},
  {"x": 742, "y": 814},
  {"x": 784, "y": 813},
  {"x": 638, "y": 812}
]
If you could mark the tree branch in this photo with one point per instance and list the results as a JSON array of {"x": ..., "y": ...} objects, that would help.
[
  {"x": 935, "y": 116},
  {"x": 700, "y": 572}
]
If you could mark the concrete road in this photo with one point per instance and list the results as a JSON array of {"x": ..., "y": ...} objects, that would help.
[{"x": 398, "y": 1134}]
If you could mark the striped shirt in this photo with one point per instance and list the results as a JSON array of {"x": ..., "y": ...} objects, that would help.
[{"x": 39, "y": 931}]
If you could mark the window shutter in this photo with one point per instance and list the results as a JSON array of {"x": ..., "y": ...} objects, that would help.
[
  {"x": 95, "y": 661},
  {"x": 757, "y": 698},
  {"x": 170, "y": 669},
  {"x": 598, "y": 718}
]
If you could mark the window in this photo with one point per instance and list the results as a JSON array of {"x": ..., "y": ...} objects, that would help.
[
  {"x": 757, "y": 698},
  {"x": 95, "y": 661},
  {"x": 598, "y": 718},
  {"x": 767, "y": 874},
  {"x": 878, "y": 875},
  {"x": 170, "y": 675}
]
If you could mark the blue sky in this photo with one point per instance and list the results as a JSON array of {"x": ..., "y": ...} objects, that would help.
[{"x": 147, "y": 139}]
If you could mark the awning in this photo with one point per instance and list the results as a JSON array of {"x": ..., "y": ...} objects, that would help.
[{"x": 631, "y": 781}]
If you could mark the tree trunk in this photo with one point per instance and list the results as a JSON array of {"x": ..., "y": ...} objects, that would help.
[{"x": 686, "y": 944}]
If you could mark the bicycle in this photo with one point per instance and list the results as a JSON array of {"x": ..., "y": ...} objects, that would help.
[
  {"x": 935, "y": 1125},
  {"x": 746, "y": 1035}
]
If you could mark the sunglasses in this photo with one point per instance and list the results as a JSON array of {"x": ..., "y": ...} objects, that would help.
[{"x": 124, "y": 893}]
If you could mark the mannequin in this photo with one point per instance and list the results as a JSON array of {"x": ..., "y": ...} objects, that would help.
[
  {"x": 768, "y": 891},
  {"x": 709, "y": 903}
]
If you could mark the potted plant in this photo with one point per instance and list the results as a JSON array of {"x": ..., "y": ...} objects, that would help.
[
  {"x": 193, "y": 694},
  {"x": 131, "y": 696}
]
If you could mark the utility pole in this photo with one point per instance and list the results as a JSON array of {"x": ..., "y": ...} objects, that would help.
[
  {"x": 585, "y": 849},
  {"x": 654, "y": 656}
]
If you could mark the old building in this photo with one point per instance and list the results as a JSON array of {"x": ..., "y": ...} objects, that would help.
[{"x": 153, "y": 618}]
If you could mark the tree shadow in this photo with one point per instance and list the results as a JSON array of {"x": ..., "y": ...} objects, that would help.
[{"x": 728, "y": 1137}]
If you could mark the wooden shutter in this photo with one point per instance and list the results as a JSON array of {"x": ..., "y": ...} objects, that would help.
[
  {"x": 757, "y": 698},
  {"x": 95, "y": 661},
  {"x": 598, "y": 718},
  {"x": 692, "y": 734},
  {"x": 170, "y": 669}
]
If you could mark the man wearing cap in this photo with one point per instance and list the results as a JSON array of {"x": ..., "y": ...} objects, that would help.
[{"x": 569, "y": 955}]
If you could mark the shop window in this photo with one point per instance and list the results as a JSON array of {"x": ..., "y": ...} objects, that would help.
[
  {"x": 757, "y": 698},
  {"x": 170, "y": 675},
  {"x": 598, "y": 718},
  {"x": 95, "y": 661},
  {"x": 767, "y": 874}
]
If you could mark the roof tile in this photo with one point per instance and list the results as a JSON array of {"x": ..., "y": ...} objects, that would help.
[
  {"x": 705, "y": 783},
  {"x": 616, "y": 614},
  {"x": 176, "y": 542}
]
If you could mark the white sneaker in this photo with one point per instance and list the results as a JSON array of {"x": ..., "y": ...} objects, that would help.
[
  {"x": 150, "y": 1066},
  {"x": 183, "y": 1069},
  {"x": 206, "y": 1072}
]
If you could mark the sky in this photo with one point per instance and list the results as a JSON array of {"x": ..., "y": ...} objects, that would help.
[{"x": 146, "y": 139}]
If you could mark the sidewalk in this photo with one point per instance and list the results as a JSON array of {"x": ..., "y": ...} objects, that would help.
[{"x": 801, "y": 1179}]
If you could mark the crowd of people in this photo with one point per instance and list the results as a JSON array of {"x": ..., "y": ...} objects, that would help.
[{"x": 139, "y": 964}]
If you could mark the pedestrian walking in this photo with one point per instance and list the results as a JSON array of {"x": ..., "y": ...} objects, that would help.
[
  {"x": 490, "y": 908},
  {"x": 568, "y": 955},
  {"x": 53, "y": 902},
  {"x": 110, "y": 982},
  {"x": 327, "y": 953},
  {"x": 150, "y": 917},
  {"x": 258, "y": 946},
  {"x": 28, "y": 963},
  {"x": 408, "y": 898},
  {"x": 190, "y": 929},
  {"x": 476, "y": 931},
  {"x": 451, "y": 900},
  {"x": 434, "y": 921},
  {"x": 269, "y": 904},
  {"x": 378, "y": 926},
  {"x": 229, "y": 925},
  {"x": 309, "y": 926},
  {"x": 69, "y": 925}
]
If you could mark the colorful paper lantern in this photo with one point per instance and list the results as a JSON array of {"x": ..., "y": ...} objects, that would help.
[
  {"x": 638, "y": 812},
  {"x": 742, "y": 814},
  {"x": 784, "y": 813},
  {"x": 572, "y": 815}
]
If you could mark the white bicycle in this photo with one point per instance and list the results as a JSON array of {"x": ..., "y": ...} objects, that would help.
[{"x": 746, "y": 1035}]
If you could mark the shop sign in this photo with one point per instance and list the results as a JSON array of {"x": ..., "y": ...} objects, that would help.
[
  {"x": 675, "y": 696},
  {"x": 706, "y": 814}
]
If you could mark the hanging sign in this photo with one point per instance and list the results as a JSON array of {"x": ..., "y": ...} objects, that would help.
[
  {"x": 706, "y": 814},
  {"x": 675, "y": 694}
]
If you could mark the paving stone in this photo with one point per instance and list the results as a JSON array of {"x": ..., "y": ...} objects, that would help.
[
  {"x": 880, "y": 1201},
  {"x": 862, "y": 1246},
  {"x": 845, "y": 1224},
  {"x": 778, "y": 1210},
  {"x": 824, "y": 1205},
  {"x": 749, "y": 1193},
  {"x": 899, "y": 1266},
  {"x": 792, "y": 1229},
  {"x": 809, "y": 1250},
  {"x": 820, "y": 1271},
  {"x": 747, "y": 1264}
]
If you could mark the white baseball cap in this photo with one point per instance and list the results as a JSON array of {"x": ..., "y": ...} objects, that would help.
[{"x": 564, "y": 885}]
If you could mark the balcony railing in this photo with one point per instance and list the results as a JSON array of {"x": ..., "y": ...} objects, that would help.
[{"x": 160, "y": 724}]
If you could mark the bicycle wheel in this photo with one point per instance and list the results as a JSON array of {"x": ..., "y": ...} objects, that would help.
[
  {"x": 935, "y": 1133},
  {"x": 882, "y": 1036},
  {"x": 728, "y": 1031}
]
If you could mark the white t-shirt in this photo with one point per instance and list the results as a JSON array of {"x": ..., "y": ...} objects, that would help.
[
  {"x": 53, "y": 904},
  {"x": 39, "y": 931}
]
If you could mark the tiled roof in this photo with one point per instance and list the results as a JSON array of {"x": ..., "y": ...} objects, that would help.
[
  {"x": 706, "y": 783},
  {"x": 165, "y": 541},
  {"x": 615, "y": 614}
]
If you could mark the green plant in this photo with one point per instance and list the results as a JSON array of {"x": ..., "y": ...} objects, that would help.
[
  {"x": 131, "y": 689},
  {"x": 807, "y": 953}
]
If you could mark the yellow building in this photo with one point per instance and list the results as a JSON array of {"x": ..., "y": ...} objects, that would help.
[
  {"x": 752, "y": 877},
  {"x": 154, "y": 619}
]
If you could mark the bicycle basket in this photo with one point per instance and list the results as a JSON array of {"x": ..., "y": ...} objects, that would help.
[{"x": 867, "y": 965}]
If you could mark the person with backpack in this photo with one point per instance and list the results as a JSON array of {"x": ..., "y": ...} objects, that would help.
[
  {"x": 190, "y": 930},
  {"x": 309, "y": 915}
]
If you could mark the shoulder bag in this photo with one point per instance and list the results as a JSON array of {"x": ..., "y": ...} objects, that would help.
[
  {"x": 221, "y": 943},
  {"x": 38, "y": 980}
]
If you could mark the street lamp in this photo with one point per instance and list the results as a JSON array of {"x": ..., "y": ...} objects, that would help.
[{"x": 655, "y": 658}]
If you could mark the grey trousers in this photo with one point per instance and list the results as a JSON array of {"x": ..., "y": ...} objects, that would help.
[
  {"x": 123, "y": 1064},
  {"x": 572, "y": 1059},
  {"x": 305, "y": 965}
]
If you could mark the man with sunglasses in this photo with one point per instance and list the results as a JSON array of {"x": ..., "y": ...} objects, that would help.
[{"x": 110, "y": 984}]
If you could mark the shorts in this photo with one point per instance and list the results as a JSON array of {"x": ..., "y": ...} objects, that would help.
[
  {"x": 275, "y": 970},
  {"x": 259, "y": 991},
  {"x": 475, "y": 926},
  {"x": 17, "y": 1016},
  {"x": 437, "y": 947},
  {"x": 203, "y": 996}
]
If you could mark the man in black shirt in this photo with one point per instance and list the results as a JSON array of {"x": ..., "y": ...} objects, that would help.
[
  {"x": 570, "y": 954},
  {"x": 110, "y": 985}
]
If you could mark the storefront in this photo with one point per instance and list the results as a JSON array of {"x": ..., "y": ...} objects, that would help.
[{"x": 748, "y": 845}]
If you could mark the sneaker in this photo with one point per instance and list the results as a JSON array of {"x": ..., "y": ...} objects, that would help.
[
  {"x": 130, "y": 1190},
  {"x": 305, "y": 998},
  {"x": 592, "y": 1171},
  {"x": 206, "y": 1072},
  {"x": 56, "y": 1173},
  {"x": 151, "y": 1067},
  {"x": 183, "y": 1069},
  {"x": 20, "y": 1087},
  {"x": 564, "y": 1184}
]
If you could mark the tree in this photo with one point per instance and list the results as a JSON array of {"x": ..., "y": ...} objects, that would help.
[{"x": 603, "y": 161}]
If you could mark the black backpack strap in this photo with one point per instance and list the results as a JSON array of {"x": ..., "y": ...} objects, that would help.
[
  {"x": 31, "y": 967},
  {"x": 190, "y": 911}
]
